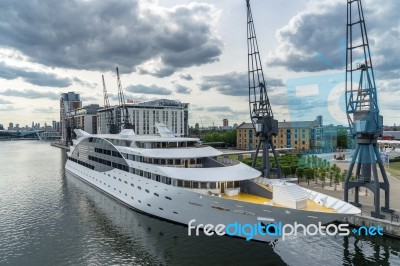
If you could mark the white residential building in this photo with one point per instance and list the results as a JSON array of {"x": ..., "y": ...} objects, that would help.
[{"x": 144, "y": 115}]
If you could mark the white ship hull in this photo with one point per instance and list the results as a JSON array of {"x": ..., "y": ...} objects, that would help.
[{"x": 182, "y": 205}]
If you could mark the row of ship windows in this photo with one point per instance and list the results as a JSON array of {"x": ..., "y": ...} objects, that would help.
[
  {"x": 160, "y": 178},
  {"x": 82, "y": 163},
  {"x": 109, "y": 163},
  {"x": 108, "y": 152},
  {"x": 160, "y": 161},
  {"x": 142, "y": 159}
]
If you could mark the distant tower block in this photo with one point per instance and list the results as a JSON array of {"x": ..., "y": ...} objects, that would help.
[{"x": 225, "y": 122}]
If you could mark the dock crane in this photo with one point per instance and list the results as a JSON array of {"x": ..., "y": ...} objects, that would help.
[
  {"x": 366, "y": 124},
  {"x": 124, "y": 117},
  {"x": 264, "y": 124},
  {"x": 112, "y": 127}
]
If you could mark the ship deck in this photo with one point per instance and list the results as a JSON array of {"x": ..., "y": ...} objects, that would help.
[{"x": 311, "y": 205}]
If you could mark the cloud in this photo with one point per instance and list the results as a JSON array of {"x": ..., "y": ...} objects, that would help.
[
  {"x": 182, "y": 89},
  {"x": 97, "y": 35},
  {"x": 315, "y": 39},
  {"x": 89, "y": 98},
  {"x": 234, "y": 84},
  {"x": 152, "y": 89},
  {"x": 9, "y": 108},
  {"x": 219, "y": 109},
  {"x": 85, "y": 83},
  {"x": 33, "y": 77},
  {"x": 5, "y": 102},
  {"x": 47, "y": 110},
  {"x": 30, "y": 94},
  {"x": 185, "y": 76}
]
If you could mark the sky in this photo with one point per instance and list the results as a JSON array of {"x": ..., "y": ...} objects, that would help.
[{"x": 190, "y": 51}]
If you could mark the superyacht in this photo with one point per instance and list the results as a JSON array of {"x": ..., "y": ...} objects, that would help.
[{"x": 179, "y": 179}]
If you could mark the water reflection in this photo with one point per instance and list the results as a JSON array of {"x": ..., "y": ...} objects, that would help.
[{"x": 48, "y": 218}]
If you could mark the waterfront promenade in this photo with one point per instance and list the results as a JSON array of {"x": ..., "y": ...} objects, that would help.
[{"x": 390, "y": 224}]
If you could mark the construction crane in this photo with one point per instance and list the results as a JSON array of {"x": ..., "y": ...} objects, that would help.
[
  {"x": 112, "y": 127},
  {"x": 264, "y": 124},
  {"x": 124, "y": 117},
  {"x": 366, "y": 124}
]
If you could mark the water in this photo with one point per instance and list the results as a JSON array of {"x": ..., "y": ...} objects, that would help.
[{"x": 47, "y": 218}]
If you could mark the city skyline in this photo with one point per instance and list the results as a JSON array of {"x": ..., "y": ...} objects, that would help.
[{"x": 192, "y": 52}]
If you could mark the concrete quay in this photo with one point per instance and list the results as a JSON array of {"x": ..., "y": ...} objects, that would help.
[
  {"x": 59, "y": 145},
  {"x": 390, "y": 224}
]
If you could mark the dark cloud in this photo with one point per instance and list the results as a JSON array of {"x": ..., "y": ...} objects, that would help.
[
  {"x": 33, "y": 77},
  {"x": 4, "y": 101},
  {"x": 152, "y": 89},
  {"x": 98, "y": 35},
  {"x": 182, "y": 89},
  {"x": 234, "y": 84},
  {"x": 186, "y": 76},
  {"x": 31, "y": 94},
  {"x": 315, "y": 39}
]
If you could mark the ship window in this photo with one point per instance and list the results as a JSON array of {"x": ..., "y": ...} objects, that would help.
[
  {"x": 125, "y": 182},
  {"x": 203, "y": 185},
  {"x": 147, "y": 190},
  {"x": 139, "y": 187},
  {"x": 155, "y": 194},
  {"x": 180, "y": 183},
  {"x": 213, "y": 185},
  {"x": 131, "y": 197},
  {"x": 132, "y": 185},
  {"x": 126, "y": 194},
  {"x": 186, "y": 184},
  {"x": 195, "y": 184},
  {"x": 178, "y": 161},
  {"x": 192, "y": 161},
  {"x": 119, "y": 179},
  {"x": 115, "y": 177},
  {"x": 175, "y": 212},
  {"x": 156, "y": 161},
  {"x": 161, "y": 208},
  {"x": 148, "y": 205},
  {"x": 170, "y": 161},
  {"x": 168, "y": 198},
  {"x": 139, "y": 201},
  {"x": 162, "y": 161}
]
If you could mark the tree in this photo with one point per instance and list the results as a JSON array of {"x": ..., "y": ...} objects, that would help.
[
  {"x": 286, "y": 170},
  {"x": 299, "y": 173},
  {"x": 337, "y": 177},
  {"x": 322, "y": 176},
  {"x": 316, "y": 175},
  {"x": 309, "y": 173},
  {"x": 342, "y": 139}
]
